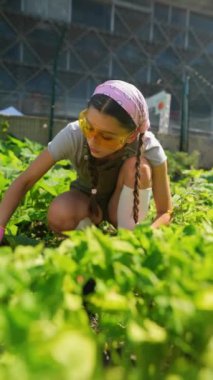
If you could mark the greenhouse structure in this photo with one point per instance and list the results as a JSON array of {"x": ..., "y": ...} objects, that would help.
[{"x": 56, "y": 52}]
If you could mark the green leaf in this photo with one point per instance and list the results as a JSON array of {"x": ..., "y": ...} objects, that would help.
[
  {"x": 76, "y": 352},
  {"x": 149, "y": 332}
]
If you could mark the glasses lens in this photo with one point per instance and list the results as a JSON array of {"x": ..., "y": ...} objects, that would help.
[
  {"x": 90, "y": 132},
  {"x": 84, "y": 125}
]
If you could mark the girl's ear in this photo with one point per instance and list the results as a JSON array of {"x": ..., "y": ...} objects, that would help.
[{"x": 132, "y": 137}]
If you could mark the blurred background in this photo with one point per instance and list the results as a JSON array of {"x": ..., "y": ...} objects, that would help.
[{"x": 54, "y": 53}]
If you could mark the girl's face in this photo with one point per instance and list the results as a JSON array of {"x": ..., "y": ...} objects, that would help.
[{"x": 104, "y": 133}]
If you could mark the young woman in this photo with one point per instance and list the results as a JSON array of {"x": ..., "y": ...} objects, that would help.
[{"x": 118, "y": 162}]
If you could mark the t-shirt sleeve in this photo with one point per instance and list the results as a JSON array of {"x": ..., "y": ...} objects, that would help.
[
  {"x": 152, "y": 150},
  {"x": 67, "y": 144}
]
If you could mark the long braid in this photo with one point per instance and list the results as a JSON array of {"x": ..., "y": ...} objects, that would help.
[
  {"x": 137, "y": 179},
  {"x": 93, "y": 205}
]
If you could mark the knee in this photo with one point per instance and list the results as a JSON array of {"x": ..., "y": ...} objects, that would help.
[
  {"x": 129, "y": 172},
  {"x": 57, "y": 218}
]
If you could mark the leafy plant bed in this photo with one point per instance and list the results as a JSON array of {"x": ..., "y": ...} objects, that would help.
[{"x": 105, "y": 304}]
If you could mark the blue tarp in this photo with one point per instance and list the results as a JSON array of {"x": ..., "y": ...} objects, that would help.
[{"x": 11, "y": 111}]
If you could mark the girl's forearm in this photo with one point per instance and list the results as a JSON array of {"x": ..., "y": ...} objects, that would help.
[
  {"x": 11, "y": 200},
  {"x": 163, "y": 219},
  {"x": 22, "y": 184}
]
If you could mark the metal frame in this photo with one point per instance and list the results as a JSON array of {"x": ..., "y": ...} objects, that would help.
[{"x": 150, "y": 49}]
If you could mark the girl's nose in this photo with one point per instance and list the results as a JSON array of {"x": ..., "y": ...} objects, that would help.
[{"x": 94, "y": 138}]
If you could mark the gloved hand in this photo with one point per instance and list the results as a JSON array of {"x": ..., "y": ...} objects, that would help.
[{"x": 1, "y": 234}]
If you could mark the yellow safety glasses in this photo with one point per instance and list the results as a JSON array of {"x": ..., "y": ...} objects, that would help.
[{"x": 104, "y": 139}]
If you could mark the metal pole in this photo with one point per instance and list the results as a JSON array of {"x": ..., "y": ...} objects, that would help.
[
  {"x": 184, "y": 131},
  {"x": 55, "y": 69}
]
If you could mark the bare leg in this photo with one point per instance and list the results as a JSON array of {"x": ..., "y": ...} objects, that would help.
[{"x": 68, "y": 209}]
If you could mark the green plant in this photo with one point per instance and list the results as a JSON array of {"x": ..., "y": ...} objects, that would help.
[
  {"x": 104, "y": 303},
  {"x": 4, "y": 126}
]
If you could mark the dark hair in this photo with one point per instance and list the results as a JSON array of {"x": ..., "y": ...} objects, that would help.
[{"x": 108, "y": 106}]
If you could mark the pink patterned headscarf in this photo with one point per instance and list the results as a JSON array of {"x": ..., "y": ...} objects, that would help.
[{"x": 130, "y": 98}]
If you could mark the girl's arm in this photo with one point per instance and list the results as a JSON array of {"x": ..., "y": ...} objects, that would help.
[
  {"x": 162, "y": 195},
  {"x": 22, "y": 184}
]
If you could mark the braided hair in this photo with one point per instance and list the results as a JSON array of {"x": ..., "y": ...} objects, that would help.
[
  {"x": 93, "y": 205},
  {"x": 108, "y": 106},
  {"x": 137, "y": 179}
]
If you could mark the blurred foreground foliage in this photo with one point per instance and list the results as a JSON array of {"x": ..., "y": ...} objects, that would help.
[{"x": 100, "y": 303}]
